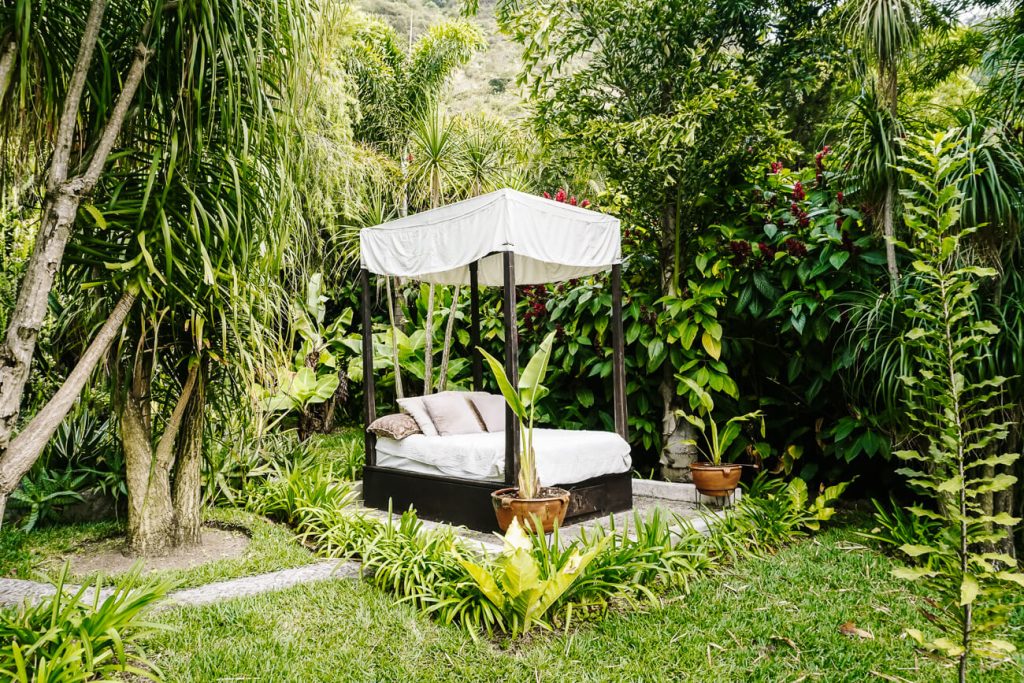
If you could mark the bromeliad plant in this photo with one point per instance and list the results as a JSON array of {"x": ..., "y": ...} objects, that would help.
[
  {"x": 523, "y": 401},
  {"x": 523, "y": 589},
  {"x": 951, "y": 404}
]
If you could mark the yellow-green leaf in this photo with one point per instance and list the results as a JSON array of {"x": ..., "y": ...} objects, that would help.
[
  {"x": 711, "y": 345},
  {"x": 969, "y": 590}
]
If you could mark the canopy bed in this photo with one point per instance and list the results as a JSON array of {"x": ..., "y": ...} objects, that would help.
[{"x": 502, "y": 239}]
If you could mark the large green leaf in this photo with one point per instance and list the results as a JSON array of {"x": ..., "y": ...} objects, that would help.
[
  {"x": 507, "y": 390},
  {"x": 532, "y": 377}
]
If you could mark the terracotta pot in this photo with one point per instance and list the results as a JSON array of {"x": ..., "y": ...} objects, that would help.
[
  {"x": 550, "y": 508},
  {"x": 717, "y": 481}
]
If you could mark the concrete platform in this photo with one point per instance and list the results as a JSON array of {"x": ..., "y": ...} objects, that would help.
[{"x": 670, "y": 499}]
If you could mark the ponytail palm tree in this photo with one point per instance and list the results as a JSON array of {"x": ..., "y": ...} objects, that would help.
[
  {"x": 188, "y": 98},
  {"x": 436, "y": 164},
  {"x": 886, "y": 31},
  {"x": 396, "y": 85},
  {"x": 54, "y": 122}
]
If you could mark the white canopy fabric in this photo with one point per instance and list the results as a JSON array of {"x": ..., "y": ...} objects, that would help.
[{"x": 552, "y": 241}]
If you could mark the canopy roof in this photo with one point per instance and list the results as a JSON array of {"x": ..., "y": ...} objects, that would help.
[{"x": 552, "y": 241}]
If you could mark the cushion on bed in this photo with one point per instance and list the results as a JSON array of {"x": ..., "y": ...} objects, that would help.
[
  {"x": 452, "y": 413},
  {"x": 414, "y": 406},
  {"x": 396, "y": 426},
  {"x": 490, "y": 408}
]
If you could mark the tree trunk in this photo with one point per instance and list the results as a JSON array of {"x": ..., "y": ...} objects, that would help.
[
  {"x": 187, "y": 468},
  {"x": 678, "y": 447},
  {"x": 60, "y": 207},
  {"x": 28, "y": 445},
  {"x": 428, "y": 344},
  {"x": 30, "y": 310},
  {"x": 10, "y": 51},
  {"x": 677, "y": 451},
  {"x": 889, "y": 233},
  {"x": 449, "y": 331},
  {"x": 150, "y": 512},
  {"x": 152, "y": 524}
]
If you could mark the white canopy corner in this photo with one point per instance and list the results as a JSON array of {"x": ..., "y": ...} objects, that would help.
[{"x": 552, "y": 241}]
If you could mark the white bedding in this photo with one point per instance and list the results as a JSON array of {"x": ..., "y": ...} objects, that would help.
[{"x": 563, "y": 456}]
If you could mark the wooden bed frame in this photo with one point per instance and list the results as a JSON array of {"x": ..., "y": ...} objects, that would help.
[{"x": 465, "y": 501}]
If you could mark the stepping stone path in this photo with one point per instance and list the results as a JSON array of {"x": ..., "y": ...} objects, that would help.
[
  {"x": 15, "y": 591},
  {"x": 679, "y": 499}
]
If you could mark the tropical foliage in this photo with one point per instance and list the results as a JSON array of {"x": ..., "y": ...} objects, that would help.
[{"x": 951, "y": 401}]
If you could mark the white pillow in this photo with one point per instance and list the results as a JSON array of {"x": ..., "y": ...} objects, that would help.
[
  {"x": 451, "y": 413},
  {"x": 490, "y": 408},
  {"x": 414, "y": 406}
]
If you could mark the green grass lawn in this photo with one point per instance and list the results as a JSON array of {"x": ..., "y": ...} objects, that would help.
[
  {"x": 773, "y": 619},
  {"x": 35, "y": 555}
]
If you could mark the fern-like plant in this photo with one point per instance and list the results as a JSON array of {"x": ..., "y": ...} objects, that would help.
[{"x": 951, "y": 405}]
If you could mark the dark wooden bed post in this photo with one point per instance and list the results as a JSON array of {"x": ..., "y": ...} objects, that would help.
[
  {"x": 474, "y": 326},
  {"x": 370, "y": 409},
  {"x": 618, "y": 356},
  {"x": 511, "y": 366}
]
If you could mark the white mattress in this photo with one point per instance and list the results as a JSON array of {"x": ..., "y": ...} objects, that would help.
[{"x": 563, "y": 456}]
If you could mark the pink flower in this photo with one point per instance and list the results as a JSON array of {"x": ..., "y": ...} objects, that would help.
[
  {"x": 547, "y": 195},
  {"x": 585, "y": 203},
  {"x": 572, "y": 200},
  {"x": 560, "y": 195}
]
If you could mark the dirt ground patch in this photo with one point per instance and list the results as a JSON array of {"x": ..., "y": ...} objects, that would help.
[{"x": 108, "y": 556}]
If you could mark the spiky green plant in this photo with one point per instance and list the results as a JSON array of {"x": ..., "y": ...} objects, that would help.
[
  {"x": 81, "y": 636},
  {"x": 952, "y": 409}
]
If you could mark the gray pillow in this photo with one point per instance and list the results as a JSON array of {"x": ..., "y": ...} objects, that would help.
[
  {"x": 396, "y": 426},
  {"x": 414, "y": 406},
  {"x": 490, "y": 408},
  {"x": 451, "y": 413}
]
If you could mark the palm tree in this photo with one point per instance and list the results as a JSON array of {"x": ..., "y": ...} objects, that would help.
[
  {"x": 437, "y": 162},
  {"x": 46, "y": 61},
  {"x": 181, "y": 222},
  {"x": 886, "y": 31}
]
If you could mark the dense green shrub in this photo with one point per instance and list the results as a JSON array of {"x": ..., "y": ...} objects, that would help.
[{"x": 547, "y": 582}]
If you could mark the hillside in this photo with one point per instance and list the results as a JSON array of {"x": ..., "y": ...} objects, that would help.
[{"x": 488, "y": 82}]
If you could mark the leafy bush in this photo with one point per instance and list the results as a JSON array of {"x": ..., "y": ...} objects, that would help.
[
  {"x": 301, "y": 495},
  {"x": 896, "y": 526},
  {"x": 43, "y": 494},
  {"x": 652, "y": 553},
  {"x": 528, "y": 577},
  {"x": 66, "y": 638},
  {"x": 542, "y": 582}
]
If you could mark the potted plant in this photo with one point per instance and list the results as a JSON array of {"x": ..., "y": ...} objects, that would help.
[
  {"x": 713, "y": 477},
  {"x": 527, "y": 502}
]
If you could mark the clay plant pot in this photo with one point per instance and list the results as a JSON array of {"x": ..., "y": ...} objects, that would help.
[
  {"x": 549, "y": 508},
  {"x": 716, "y": 481}
]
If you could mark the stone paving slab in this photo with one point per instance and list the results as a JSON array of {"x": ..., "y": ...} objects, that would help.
[
  {"x": 264, "y": 583},
  {"x": 15, "y": 591}
]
